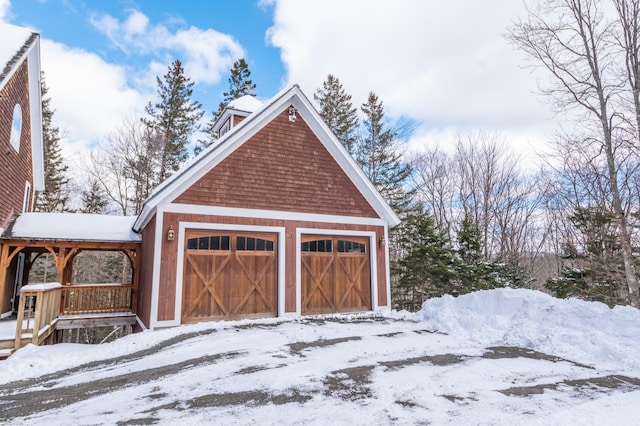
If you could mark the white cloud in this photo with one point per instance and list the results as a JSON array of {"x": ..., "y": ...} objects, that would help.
[
  {"x": 90, "y": 96},
  {"x": 442, "y": 63},
  {"x": 207, "y": 54},
  {"x": 4, "y": 9}
]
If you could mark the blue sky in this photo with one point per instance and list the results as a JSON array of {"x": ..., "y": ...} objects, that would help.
[
  {"x": 70, "y": 22},
  {"x": 443, "y": 65}
]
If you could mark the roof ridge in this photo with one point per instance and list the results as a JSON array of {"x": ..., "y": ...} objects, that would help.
[{"x": 15, "y": 58}]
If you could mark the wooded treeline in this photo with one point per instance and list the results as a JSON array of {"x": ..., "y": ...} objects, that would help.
[{"x": 474, "y": 216}]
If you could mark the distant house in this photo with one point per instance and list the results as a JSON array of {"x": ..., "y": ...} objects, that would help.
[
  {"x": 274, "y": 219},
  {"x": 21, "y": 153}
]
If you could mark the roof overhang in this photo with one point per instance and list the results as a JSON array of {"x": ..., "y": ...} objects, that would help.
[{"x": 72, "y": 227}]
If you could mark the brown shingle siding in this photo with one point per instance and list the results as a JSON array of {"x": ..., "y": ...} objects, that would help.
[
  {"x": 283, "y": 167},
  {"x": 15, "y": 167}
]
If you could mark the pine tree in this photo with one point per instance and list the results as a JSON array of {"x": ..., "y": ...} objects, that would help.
[
  {"x": 593, "y": 265},
  {"x": 427, "y": 267},
  {"x": 93, "y": 199},
  {"x": 239, "y": 85},
  {"x": 476, "y": 273},
  {"x": 379, "y": 158},
  {"x": 338, "y": 112},
  {"x": 174, "y": 118},
  {"x": 54, "y": 197}
]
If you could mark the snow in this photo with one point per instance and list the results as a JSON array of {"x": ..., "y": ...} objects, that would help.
[
  {"x": 498, "y": 357},
  {"x": 13, "y": 38},
  {"x": 75, "y": 227},
  {"x": 40, "y": 286},
  {"x": 247, "y": 103}
]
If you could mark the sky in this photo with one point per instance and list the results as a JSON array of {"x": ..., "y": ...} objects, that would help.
[
  {"x": 443, "y": 66},
  {"x": 496, "y": 357}
]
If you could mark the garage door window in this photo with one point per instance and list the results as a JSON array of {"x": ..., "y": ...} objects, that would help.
[
  {"x": 253, "y": 244},
  {"x": 214, "y": 242},
  {"x": 317, "y": 246},
  {"x": 345, "y": 246}
]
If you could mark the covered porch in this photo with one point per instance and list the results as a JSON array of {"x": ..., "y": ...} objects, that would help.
[{"x": 64, "y": 236}]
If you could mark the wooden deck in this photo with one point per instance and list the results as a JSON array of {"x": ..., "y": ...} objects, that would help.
[{"x": 45, "y": 308}]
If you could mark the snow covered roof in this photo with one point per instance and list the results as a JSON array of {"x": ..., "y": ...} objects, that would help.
[
  {"x": 15, "y": 41},
  {"x": 246, "y": 103},
  {"x": 73, "y": 227},
  {"x": 229, "y": 142}
]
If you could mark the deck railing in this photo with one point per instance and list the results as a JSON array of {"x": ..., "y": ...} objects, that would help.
[
  {"x": 38, "y": 312},
  {"x": 97, "y": 299}
]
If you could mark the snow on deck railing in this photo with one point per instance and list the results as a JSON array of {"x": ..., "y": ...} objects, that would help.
[{"x": 38, "y": 311}]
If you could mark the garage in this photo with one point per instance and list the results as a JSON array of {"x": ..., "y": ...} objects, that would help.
[
  {"x": 336, "y": 274},
  {"x": 229, "y": 275}
]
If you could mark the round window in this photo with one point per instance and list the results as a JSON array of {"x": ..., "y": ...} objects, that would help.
[{"x": 16, "y": 127}]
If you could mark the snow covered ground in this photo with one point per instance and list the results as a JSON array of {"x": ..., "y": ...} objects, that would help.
[{"x": 500, "y": 357}]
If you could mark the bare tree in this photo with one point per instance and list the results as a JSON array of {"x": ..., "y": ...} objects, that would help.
[
  {"x": 483, "y": 182},
  {"x": 125, "y": 164},
  {"x": 573, "y": 41},
  {"x": 434, "y": 181}
]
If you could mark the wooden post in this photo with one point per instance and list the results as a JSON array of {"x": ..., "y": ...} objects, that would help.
[
  {"x": 60, "y": 264},
  {"x": 4, "y": 264},
  {"x": 135, "y": 271},
  {"x": 19, "y": 321}
]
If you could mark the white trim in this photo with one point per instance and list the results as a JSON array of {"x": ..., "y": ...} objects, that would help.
[
  {"x": 281, "y": 272},
  {"x": 6, "y": 314},
  {"x": 372, "y": 260},
  {"x": 28, "y": 196},
  {"x": 140, "y": 323},
  {"x": 270, "y": 214},
  {"x": 15, "y": 138},
  {"x": 35, "y": 114},
  {"x": 386, "y": 265},
  {"x": 155, "y": 280}
]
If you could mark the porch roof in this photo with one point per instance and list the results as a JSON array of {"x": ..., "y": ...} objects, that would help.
[{"x": 73, "y": 227}]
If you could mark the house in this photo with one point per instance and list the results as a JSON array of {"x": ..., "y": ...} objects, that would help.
[
  {"x": 21, "y": 159},
  {"x": 275, "y": 219}
]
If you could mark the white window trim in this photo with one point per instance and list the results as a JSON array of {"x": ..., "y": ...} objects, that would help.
[{"x": 16, "y": 132}]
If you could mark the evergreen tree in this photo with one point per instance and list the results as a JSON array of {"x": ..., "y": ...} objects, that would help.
[
  {"x": 239, "y": 85},
  {"x": 469, "y": 251},
  {"x": 427, "y": 267},
  {"x": 476, "y": 273},
  {"x": 338, "y": 112},
  {"x": 379, "y": 158},
  {"x": 94, "y": 199},
  {"x": 594, "y": 269},
  {"x": 54, "y": 197},
  {"x": 174, "y": 118}
]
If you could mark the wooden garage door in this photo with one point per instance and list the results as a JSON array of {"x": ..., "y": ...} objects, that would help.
[
  {"x": 336, "y": 274},
  {"x": 229, "y": 275}
]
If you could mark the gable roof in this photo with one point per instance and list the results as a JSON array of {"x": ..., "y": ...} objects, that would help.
[
  {"x": 242, "y": 106},
  {"x": 213, "y": 155},
  {"x": 20, "y": 44}
]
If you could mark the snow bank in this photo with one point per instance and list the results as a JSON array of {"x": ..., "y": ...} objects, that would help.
[{"x": 587, "y": 332}]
